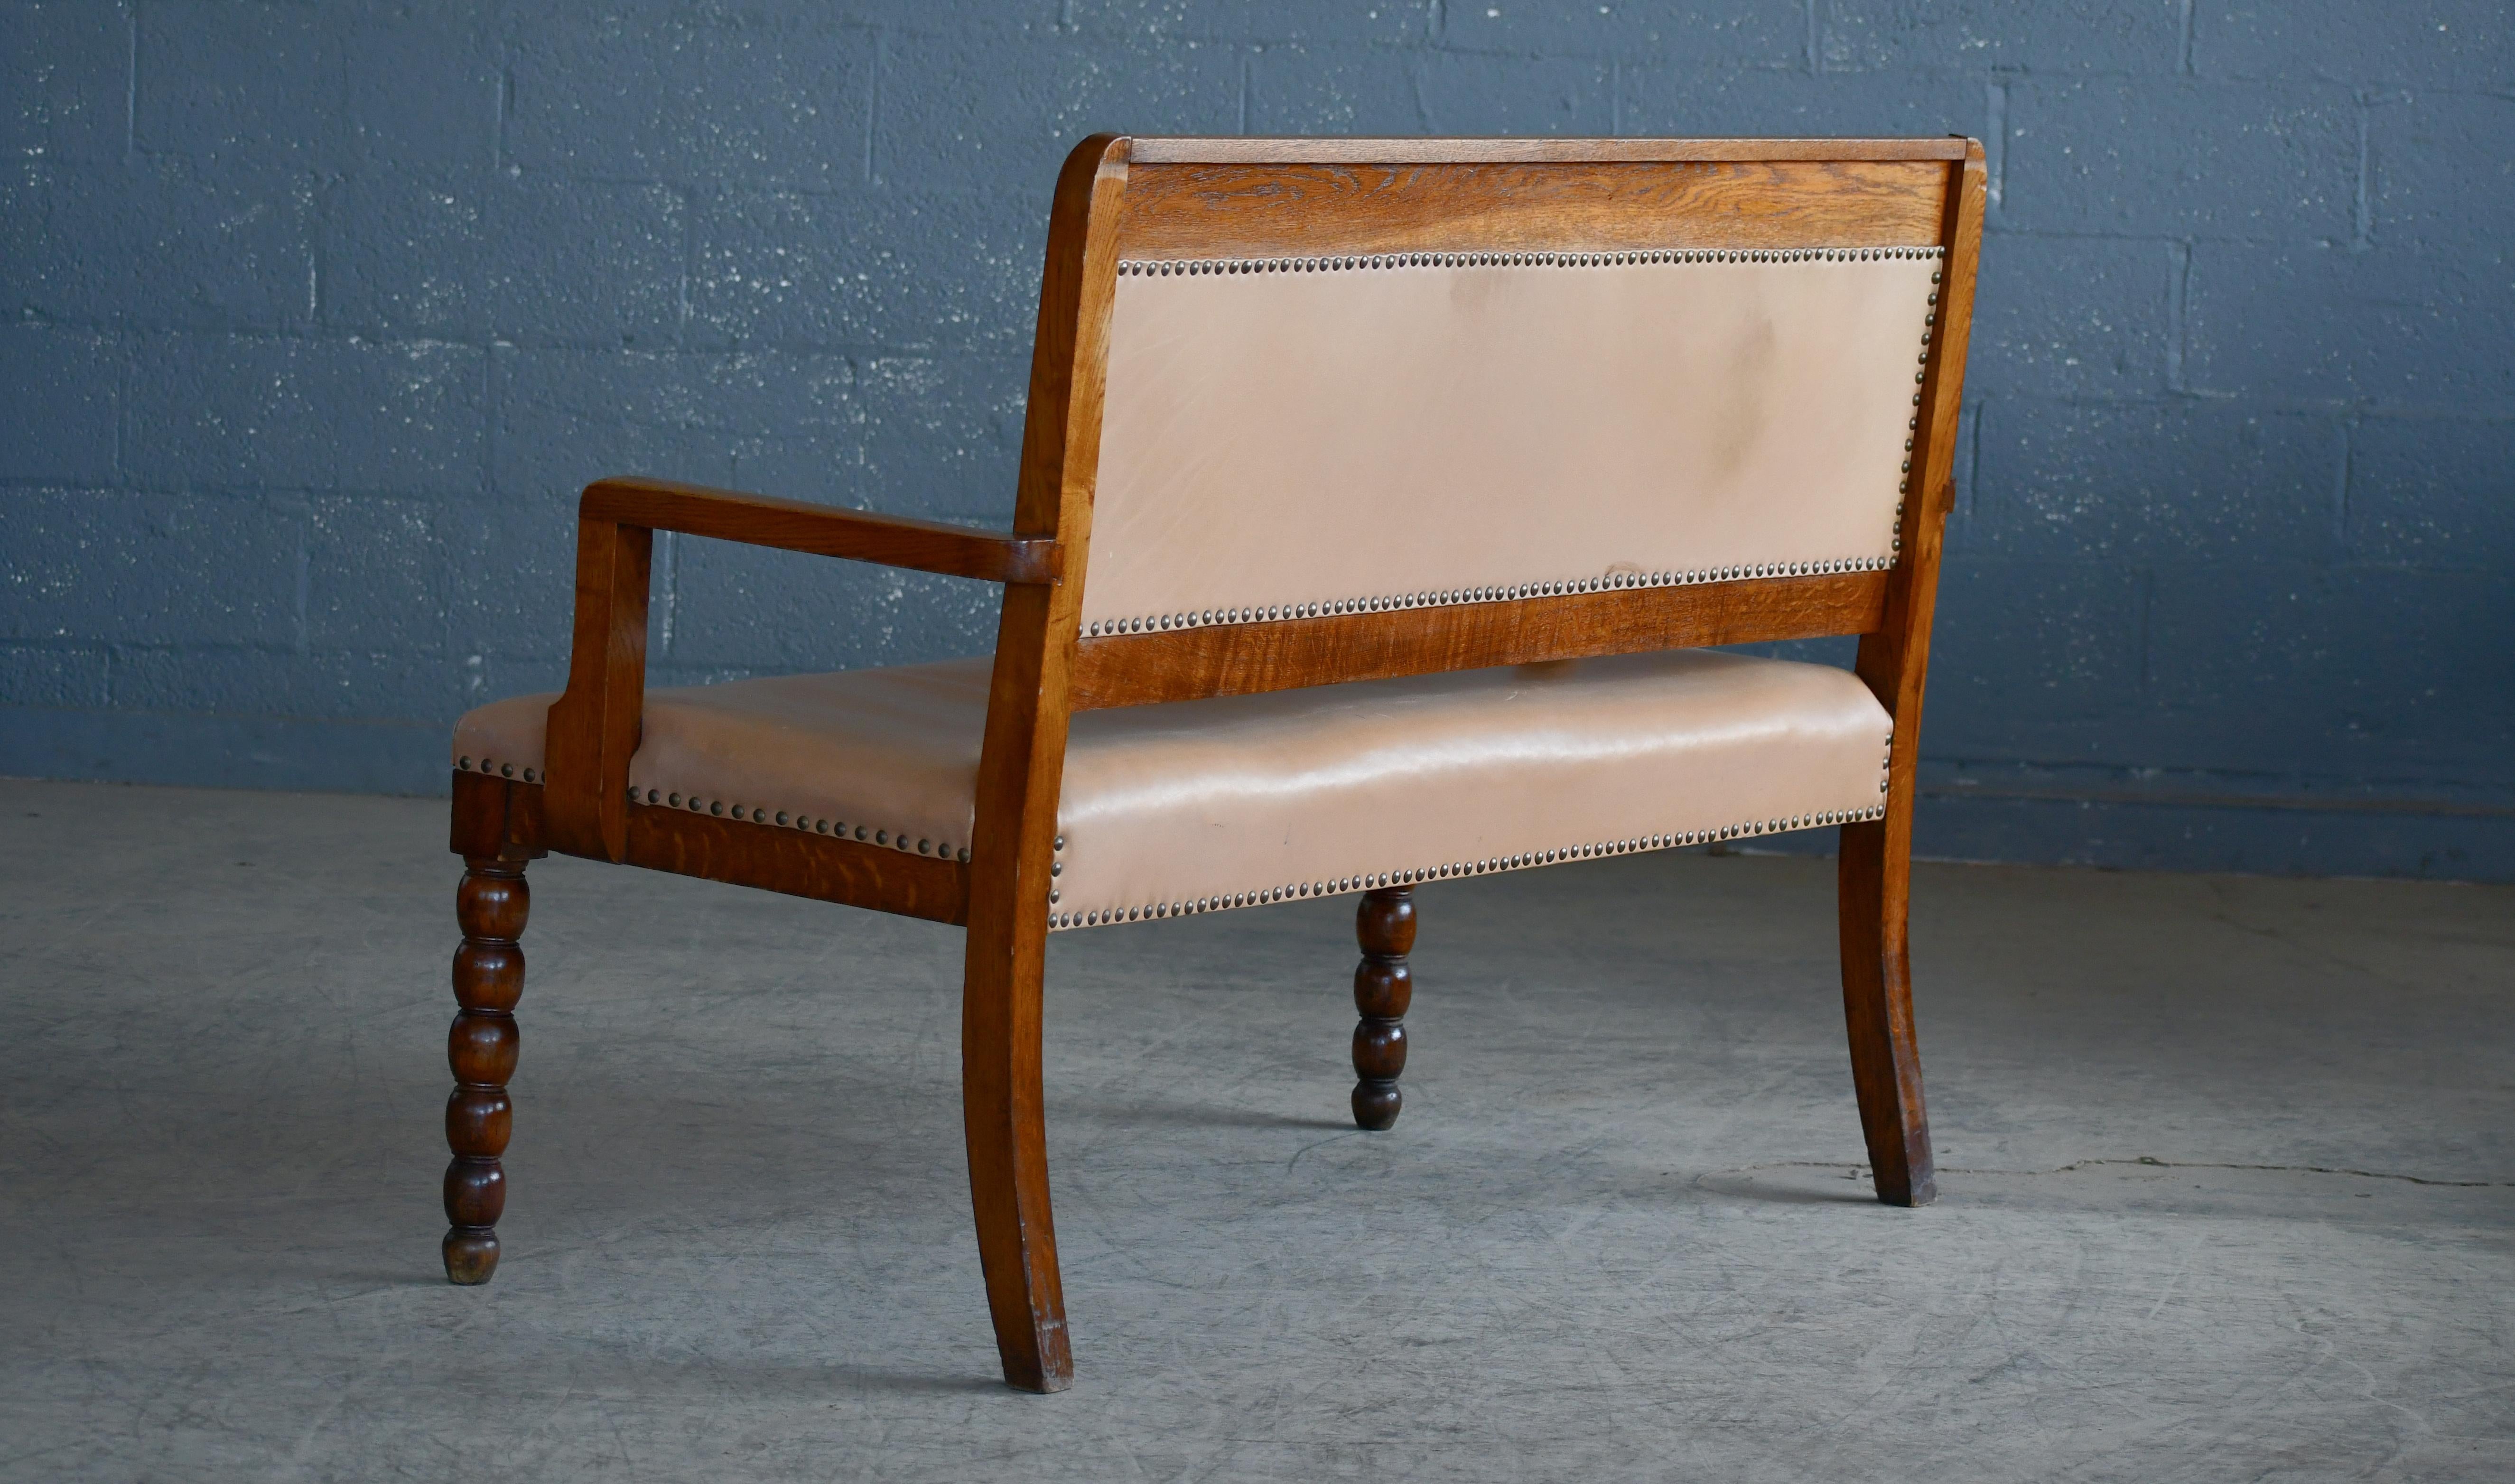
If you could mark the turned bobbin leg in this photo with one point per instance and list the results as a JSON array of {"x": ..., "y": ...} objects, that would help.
[
  {"x": 1382, "y": 987},
  {"x": 492, "y": 904}
]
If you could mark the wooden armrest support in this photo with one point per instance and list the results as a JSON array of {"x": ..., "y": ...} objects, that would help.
[
  {"x": 823, "y": 530},
  {"x": 594, "y": 726}
]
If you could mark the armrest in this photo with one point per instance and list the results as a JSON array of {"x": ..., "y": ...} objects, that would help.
[
  {"x": 823, "y": 530},
  {"x": 594, "y": 724}
]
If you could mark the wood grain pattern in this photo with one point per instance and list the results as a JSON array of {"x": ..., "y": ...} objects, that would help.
[
  {"x": 741, "y": 853},
  {"x": 1244, "y": 150},
  {"x": 1294, "y": 210},
  {"x": 823, "y": 530},
  {"x": 1021, "y": 767},
  {"x": 1875, "y": 868},
  {"x": 774, "y": 858},
  {"x": 1242, "y": 659},
  {"x": 593, "y": 727}
]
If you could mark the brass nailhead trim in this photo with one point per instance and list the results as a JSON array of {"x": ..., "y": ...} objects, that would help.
[
  {"x": 1452, "y": 597},
  {"x": 753, "y": 813},
  {"x": 1168, "y": 267},
  {"x": 1059, "y": 922},
  {"x": 1272, "y": 612}
]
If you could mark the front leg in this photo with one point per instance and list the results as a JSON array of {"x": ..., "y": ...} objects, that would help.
[{"x": 492, "y": 904}]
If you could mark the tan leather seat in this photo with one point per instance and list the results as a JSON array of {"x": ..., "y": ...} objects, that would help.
[{"x": 1238, "y": 799}]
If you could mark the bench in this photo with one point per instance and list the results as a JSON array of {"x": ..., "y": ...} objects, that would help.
[{"x": 1381, "y": 506}]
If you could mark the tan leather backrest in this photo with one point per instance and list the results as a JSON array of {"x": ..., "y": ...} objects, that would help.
[{"x": 1290, "y": 437}]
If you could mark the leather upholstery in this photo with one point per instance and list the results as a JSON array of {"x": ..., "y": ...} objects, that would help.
[
  {"x": 1239, "y": 798},
  {"x": 1296, "y": 436}
]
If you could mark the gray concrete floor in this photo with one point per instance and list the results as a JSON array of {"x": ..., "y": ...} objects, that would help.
[{"x": 2228, "y": 1173}]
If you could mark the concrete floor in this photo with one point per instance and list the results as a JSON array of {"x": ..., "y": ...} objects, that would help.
[{"x": 2228, "y": 1173}]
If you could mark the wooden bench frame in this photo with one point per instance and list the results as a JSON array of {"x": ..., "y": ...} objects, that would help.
[{"x": 1209, "y": 198}]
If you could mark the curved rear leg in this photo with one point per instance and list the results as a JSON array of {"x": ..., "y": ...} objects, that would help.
[
  {"x": 1875, "y": 877},
  {"x": 1008, "y": 1137}
]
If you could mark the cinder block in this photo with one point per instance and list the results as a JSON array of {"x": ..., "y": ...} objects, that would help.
[
  {"x": 1766, "y": 33},
  {"x": 1681, "y": 100},
  {"x": 742, "y": 609},
  {"x": 1336, "y": 90},
  {"x": 566, "y": 418},
  {"x": 589, "y": 263},
  {"x": 886, "y": 275},
  {"x": 797, "y": 425},
  {"x": 102, "y": 567},
  {"x": 2172, "y": 157},
  {"x": 2092, "y": 481},
  {"x": 966, "y": 111},
  {"x": 62, "y": 391},
  {"x": 64, "y": 80},
  {"x": 405, "y": 254},
  {"x": 1390, "y": 24},
  {"x": 2349, "y": 673},
  {"x": 226, "y": 681},
  {"x": 2422, "y": 328},
  {"x": 216, "y": 410},
  {"x": 171, "y": 243},
  {"x": 314, "y": 86},
  {"x": 2442, "y": 173},
  {"x": 2034, "y": 660},
  {"x": 238, "y": 82},
  {"x": 375, "y": 578},
  {"x": 2072, "y": 316},
  {"x": 2464, "y": 44},
  {"x": 48, "y": 674},
  {"x": 511, "y": 591},
  {"x": 750, "y": 100},
  {"x": 2002, "y": 35},
  {"x": 1474, "y": 93},
  {"x": 942, "y": 437},
  {"x": 2433, "y": 493},
  {"x": 422, "y": 85}
]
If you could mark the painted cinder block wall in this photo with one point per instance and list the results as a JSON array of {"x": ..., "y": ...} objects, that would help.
[{"x": 318, "y": 314}]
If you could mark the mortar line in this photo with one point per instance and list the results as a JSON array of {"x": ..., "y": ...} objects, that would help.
[
  {"x": 2340, "y": 485},
  {"x": 1995, "y": 166},
  {"x": 2178, "y": 256},
  {"x": 2143, "y": 607},
  {"x": 131, "y": 90},
  {"x": 2362, "y": 224},
  {"x": 873, "y": 103}
]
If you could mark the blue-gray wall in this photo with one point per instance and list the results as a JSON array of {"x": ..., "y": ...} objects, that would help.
[{"x": 317, "y": 315}]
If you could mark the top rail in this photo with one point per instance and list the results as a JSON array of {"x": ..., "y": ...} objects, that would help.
[{"x": 1189, "y": 150}]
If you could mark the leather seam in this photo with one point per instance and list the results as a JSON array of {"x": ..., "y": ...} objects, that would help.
[
  {"x": 1166, "y": 268},
  {"x": 1458, "y": 597}
]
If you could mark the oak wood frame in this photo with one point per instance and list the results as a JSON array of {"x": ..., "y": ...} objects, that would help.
[{"x": 1193, "y": 197}]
